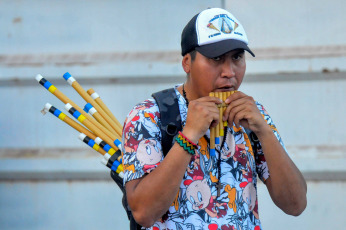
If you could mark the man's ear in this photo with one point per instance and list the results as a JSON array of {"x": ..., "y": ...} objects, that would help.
[{"x": 186, "y": 63}]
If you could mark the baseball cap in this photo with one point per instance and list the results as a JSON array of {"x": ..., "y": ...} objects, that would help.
[{"x": 213, "y": 32}]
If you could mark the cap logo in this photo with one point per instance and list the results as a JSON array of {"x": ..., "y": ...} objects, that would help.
[{"x": 221, "y": 23}]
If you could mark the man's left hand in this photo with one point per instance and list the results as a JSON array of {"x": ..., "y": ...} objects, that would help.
[{"x": 242, "y": 111}]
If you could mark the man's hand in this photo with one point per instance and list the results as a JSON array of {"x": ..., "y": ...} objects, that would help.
[
  {"x": 242, "y": 111},
  {"x": 202, "y": 114}
]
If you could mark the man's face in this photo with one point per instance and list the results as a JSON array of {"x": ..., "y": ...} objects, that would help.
[{"x": 224, "y": 73}]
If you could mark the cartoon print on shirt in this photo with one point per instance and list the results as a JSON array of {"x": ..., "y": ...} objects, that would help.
[
  {"x": 231, "y": 193},
  {"x": 198, "y": 193},
  {"x": 229, "y": 147},
  {"x": 262, "y": 166},
  {"x": 240, "y": 155},
  {"x": 249, "y": 195},
  {"x": 147, "y": 124},
  {"x": 149, "y": 154},
  {"x": 238, "y": 162},
  {"x": 180, "y": 207},
  {"x": 132, "y": 137},
  {"x": 235, "y": 208},
  {"x": 194, "y": 169},
  {"x": 137, "y": 119},
  {"x": 216, "y": 209}
]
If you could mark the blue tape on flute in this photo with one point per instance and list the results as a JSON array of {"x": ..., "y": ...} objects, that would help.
[
  {"x": 91, "y": 143},
  {"x": 117, "y": 143},
  {"x": 117, "y": 167},
  {"x": 114, "y": 165},
  {"x": 104, "y": 145},
  {"x": 75, "y": 113},
  {"x": 110, "y": 151},
  {"x": 115, "y": 157},
  {"x": 212, "y": 152},
  {"x": 87, "y": 107},
  {"x": 217, "y": 140},
  {"x": 68, "y": 77},
  {"x": 87, "y": 140},
  {"x": 46, "y": 84},
  {"x": 56, "y": 112},
  {"x": 118, "y": 170}
]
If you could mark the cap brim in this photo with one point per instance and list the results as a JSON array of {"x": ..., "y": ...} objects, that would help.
[{"x": 219, "y": 48}]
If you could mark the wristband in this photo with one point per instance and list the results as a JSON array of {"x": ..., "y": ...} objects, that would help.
[
  {"x": 187, "y": 145},
  {"x": 191, "y": 142}
]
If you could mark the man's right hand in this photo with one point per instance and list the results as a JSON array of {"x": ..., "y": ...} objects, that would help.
[{"x": 202, "y": 114}]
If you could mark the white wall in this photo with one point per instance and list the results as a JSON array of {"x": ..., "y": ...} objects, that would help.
[{"x": 126, "y": 50}]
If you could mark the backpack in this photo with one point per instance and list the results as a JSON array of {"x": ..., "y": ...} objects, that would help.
[{"x": 167, "y": 102}]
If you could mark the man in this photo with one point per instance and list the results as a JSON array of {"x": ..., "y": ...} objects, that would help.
[{"x": 190, "y": 188}]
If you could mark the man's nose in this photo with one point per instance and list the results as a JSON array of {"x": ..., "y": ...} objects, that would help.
[{"x": 227, "y": 69}]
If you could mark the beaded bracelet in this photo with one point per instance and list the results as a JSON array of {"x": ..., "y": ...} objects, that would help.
[
  {"x": 187, "y": 145},
  {"x": 191, "y": 142}
]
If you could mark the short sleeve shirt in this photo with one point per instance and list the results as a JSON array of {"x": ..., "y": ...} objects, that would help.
[{"x": 197, "y": 203}]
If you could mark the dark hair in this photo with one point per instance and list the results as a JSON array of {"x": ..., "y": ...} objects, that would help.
[{"x": 193, "y": 55}]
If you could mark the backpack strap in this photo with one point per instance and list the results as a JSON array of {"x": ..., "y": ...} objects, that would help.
[
  {"x": 167, "y": 102},
  {"x": 119, "y": 181}
]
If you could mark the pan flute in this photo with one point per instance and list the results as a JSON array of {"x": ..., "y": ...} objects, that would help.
[{"x": 218, "y": 132}]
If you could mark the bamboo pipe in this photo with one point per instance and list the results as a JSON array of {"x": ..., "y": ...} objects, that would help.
[
  {"x": 87, "y": 140},
  {"x": 89, "y": 125},
  {"x": 56, "y": 92},
  {"x": 62, "y": 116},
  {"x": 212, "y": 135},
  {"x": 68, "y": 77},
  {"x": 99, "y": 101},
  {"x": 93, "y": 112}
]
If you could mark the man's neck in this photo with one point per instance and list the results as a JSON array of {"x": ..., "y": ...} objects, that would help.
[{"x": 190, "y": 95}]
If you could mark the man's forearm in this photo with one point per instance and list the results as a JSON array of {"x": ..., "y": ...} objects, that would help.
[
  {"x": 151, "y": 197},
  {"x": 286, "y": 184}
]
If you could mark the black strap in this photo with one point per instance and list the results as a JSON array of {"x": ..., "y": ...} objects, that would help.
[
  {"x": 167, "y": 102},
  {"x": 119, "y": 181}
]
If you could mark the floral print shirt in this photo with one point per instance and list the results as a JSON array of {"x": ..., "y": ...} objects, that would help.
[{"x": 197, "y": 205}]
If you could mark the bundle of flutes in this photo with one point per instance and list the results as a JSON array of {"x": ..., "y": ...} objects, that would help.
[
  {"x": 100, "y": 130},
  {"x": 218, "y": 131}
]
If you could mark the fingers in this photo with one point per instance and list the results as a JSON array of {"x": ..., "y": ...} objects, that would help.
[
  {"x": 237, "y": 113},
  {"x": 235, "y": 96},
  {"x": 240, "y": 109},
  {"x": 241, "y": 118},
  {"x": 204, "y": 110},
  {"x": 202, "y": 113},
  {"x": 214, "y": 100}
]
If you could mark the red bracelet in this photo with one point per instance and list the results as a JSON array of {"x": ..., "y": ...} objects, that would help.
[{"x": 195, "y": 145}]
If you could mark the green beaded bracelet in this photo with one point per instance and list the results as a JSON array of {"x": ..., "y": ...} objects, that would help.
[{"x": 187, "y": 145}]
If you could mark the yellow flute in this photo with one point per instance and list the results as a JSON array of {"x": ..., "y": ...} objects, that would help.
[{"x": 218, "y": 131}]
